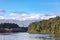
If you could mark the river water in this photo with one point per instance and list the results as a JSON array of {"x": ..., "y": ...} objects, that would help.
[{"x": 27, "y": 36}]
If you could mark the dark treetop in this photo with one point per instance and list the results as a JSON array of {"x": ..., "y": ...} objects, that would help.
[{"x": 11, "y": 27}]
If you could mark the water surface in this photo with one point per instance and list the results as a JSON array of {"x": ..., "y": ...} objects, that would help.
[{"x": 27, "y": 36}]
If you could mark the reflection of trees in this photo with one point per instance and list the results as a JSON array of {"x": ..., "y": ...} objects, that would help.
[
  {"x": 48, "y": 37},
  {"x": 57, "y": 36},
  {"x": 53, "y": 37}
]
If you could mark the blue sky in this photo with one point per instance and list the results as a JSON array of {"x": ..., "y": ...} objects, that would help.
[{"x": 30, "y": 6}]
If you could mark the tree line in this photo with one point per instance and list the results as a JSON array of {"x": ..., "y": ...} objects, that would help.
[
  {"x": 11, "y": 27},
  {"x": 51, "y": 25}
]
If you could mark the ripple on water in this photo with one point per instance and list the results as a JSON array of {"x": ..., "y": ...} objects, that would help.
[{"x": 26, "y": 36}]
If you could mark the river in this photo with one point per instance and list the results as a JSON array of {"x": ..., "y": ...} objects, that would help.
[{"x": 27, "y": 36}]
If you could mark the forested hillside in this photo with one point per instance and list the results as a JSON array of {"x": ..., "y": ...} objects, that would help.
[
  {"x": 51, "y": 25},
  {"x": 11, "y": 27}
]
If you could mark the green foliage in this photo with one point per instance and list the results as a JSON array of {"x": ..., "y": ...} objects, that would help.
[
  {"x": 51, "y": 25},
  {"x": 8, "y": 25},
  {"x": 11, "y": 27}
]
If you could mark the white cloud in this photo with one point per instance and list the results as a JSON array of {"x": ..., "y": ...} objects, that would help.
[
  {"x": 30, "y": 16},
  {"x": 47, "y": 17},
  {"x": 13, "y": 14},
  {"x": 2, "y": 17},
  {"x": 27, "y": 16}
]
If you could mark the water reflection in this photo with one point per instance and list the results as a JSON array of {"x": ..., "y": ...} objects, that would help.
[
  {"x": 26, "y": 36},
  {"x": 45, "y": 36}
]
